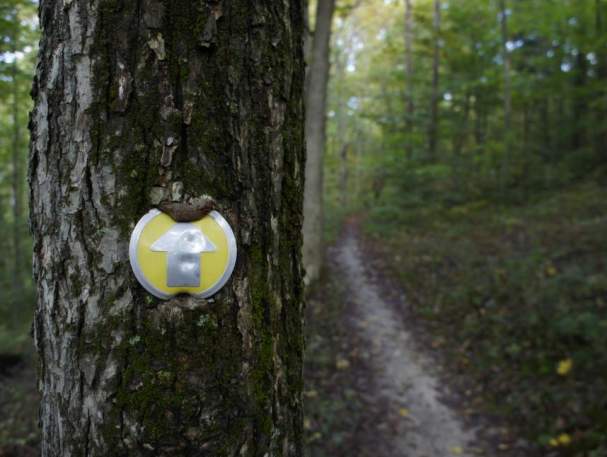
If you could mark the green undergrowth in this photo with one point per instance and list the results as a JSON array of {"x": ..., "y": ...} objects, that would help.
[
  {"x": 15, "y": 341},
  {"x": 19, "y": 403},
  {"x": 517, "y": 297},
  {"x": 332, "y": 397},
  {"x": 334, "y": 217},
  {"x": 19, "y": 399}
]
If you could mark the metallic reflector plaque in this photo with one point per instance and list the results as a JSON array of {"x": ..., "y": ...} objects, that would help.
[{"x": 170, "y": 258}]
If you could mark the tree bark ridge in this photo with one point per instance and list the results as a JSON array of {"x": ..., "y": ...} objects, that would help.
[{"x": 142, "y": 102}]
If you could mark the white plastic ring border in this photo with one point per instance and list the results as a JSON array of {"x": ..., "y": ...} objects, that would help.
[{"x": 232, "y": 253}]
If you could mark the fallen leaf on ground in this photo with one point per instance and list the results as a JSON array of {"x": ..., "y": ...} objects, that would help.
[
  {"x": 564, "y": 439},
  {"x": 564, "y": 367},
  {"x": 342, "y": 364}
]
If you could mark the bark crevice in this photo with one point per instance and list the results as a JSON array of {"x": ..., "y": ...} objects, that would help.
[{"x": 120, "y": 127}]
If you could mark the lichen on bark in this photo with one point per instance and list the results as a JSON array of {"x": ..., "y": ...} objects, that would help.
[{"x": 144, "y": 102}]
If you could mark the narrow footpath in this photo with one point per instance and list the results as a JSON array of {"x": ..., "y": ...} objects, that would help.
[{"x": 404, "y": 379}]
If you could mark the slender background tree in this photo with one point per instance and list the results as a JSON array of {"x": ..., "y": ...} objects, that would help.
[{"x": 316, "y": 111}]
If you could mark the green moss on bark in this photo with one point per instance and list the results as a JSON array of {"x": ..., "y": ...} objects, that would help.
[{"x": 156, "y": 378}]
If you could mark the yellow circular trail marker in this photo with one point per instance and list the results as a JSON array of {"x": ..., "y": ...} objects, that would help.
[{"x": 170, "y": 258}]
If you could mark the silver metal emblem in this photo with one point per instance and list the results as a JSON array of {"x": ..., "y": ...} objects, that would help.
[{"x": 184, "y": 243}]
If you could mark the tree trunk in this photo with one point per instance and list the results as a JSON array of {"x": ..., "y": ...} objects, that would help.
[
  {"x": 601, "y": 75},
  {"x": 307, "y": 41},
  {"x": 460, "y": 139},
  {"x": 341, "y": 144},
  {"x": 17, "y": 189},
  {"x": 580, "y": 102},
  {"x": 338, "y": 101},
  {"x": 316, "y": 107},
  {"x": 505, "y": 168},
  {"x": 409, "y": 100},
  {"x": 506, "y": 67},
  {"x": 546, "y": 123},
  {"x": 360, "y": 145},
  {"x": 5, "y": 267},
  {"x": 549, "y": 146},
  {"x": 480, "y": 119},
  {"x": 344, "y": 175},
  {"x": 434, "y": 116},
  {"x": 136, "y": 102}
]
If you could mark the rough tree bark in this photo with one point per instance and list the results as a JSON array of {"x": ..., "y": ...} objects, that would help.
[
  {"x": 136, "y": 103},
  {"x": 316, "y": 107},
  {"x": 435, "y": 99}
]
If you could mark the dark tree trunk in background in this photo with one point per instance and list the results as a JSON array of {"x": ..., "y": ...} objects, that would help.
[
  {"x": 341, "y": 123},
  {"x": 507, "y": 95},
  {"x": 409, "y": 97},
  {"x": 316, "y": 121},
  {"x": 136, "y": 102},
  {"x": 480, "y": 119},
  {"x": 5, "y": 261},
  {"x": 308, "y": 36},
  {"x": 546, "y": 126},
  {"x": 17, "y": 188},
  {"x": 562, "y": 135},
  {"x": 506, "y": 66},
  {"x": 601, "y": 115},
  {"x": 344, "y": 175},
  {"x": 547, "y": 144},
  {"x": 435, "y": 98},
  {"x": 580, "y": 103},
  {"x": 460, "y": 139}
]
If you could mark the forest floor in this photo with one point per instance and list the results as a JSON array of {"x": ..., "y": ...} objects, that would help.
[
  {"x": 19, "y": 435},
  {"x": 376, "y": 385},
  {"x": 514, "y": 297}
]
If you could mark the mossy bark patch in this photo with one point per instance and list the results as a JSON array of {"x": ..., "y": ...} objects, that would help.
[{"x": 155, "y": 101}]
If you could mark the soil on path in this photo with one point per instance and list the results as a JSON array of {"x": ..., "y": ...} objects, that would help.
[{"x": 405, "y": 381}]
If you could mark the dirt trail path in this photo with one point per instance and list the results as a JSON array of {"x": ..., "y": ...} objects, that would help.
[{"x": 404, "y": 379}]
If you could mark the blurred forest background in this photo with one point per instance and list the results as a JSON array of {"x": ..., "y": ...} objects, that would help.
[
  {"x": 470, "y": 138},
  {"x": 472, "y": 134},
  {"x": 18, "y": 399},
  {"x": 19, "y": 36}
]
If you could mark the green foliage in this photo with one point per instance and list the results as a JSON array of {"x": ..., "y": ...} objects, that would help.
[
  {"x": 335, "y": 407},
  {"x": 14, "y": 341},
  {"x": 558, "y": 73},
  {"x": 20, "y": 403}
]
